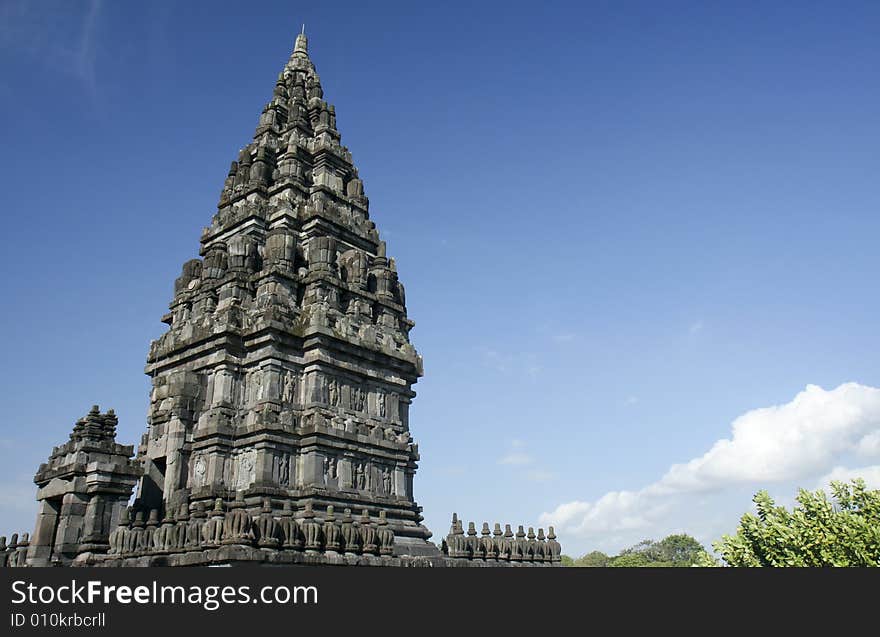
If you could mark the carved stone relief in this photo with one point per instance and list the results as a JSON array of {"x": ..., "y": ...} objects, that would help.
[{"x": 245, "y": 468}]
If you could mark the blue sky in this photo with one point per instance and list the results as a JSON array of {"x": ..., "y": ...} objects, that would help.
[{"x": 622, "y": 226}]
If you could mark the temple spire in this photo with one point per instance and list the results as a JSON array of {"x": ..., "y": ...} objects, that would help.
[{"x": 302, "y": 43}]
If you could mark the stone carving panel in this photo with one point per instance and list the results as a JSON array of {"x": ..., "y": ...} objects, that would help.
[
  {"x": 357, "y": 398},
  {"x": 199, "y": 470},
  {"x": 331, "y": 471},
  {"x": 245, "y": 468},
  {"x": 333, "y": 392},
  {"x": 387, "y": 481},
  {"x": 281, "y": 472},
  {"x": 289, "y": 386},
  {"x": 361, "y": 478}
]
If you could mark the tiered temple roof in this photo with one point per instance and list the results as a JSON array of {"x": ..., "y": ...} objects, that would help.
[{"x": 280, "y": 391}]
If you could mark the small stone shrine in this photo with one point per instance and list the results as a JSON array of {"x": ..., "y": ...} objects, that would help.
[{"x": 278, "y": 427}]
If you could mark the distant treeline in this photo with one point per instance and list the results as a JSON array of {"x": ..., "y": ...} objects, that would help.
[{"x": 674, "y": 550}]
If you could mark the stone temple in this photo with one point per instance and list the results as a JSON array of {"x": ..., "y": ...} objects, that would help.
[{"x": 278, "y": 426}]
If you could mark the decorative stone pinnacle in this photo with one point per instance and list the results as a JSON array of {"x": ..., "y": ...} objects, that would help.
[
  {"x": 95, "y": 426},
  {"x": 301, "y": 47}
]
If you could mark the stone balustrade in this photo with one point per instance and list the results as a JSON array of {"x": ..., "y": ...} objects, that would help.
[
  {"x": 501, "y": 546},
  {"x": 197, "y": 530},
  {"x": 15, "y": 552}
]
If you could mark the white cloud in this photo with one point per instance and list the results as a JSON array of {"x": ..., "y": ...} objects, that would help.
[
  {"x": 785, "y": 442},
  {"x": 539, "y": 475},
  {"x": 869, "y": 446},
  {"x": 517, "y": 454},
  {"x": 871, "y": 476},
  {"x": 523, "y": 364},
  {"x": 797, "y": 441},
  {"x": 516, "y": 458}
]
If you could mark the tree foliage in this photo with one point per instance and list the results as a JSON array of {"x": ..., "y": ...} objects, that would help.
[
  {"x": 705, "y": 559},
  {"x": 679, "y": 549},
  {"x": 674, "y": 550},
  {"x": 633, "y": 560},
  {"x": 593, "y": 559},
  {"x": 843, "y": 531}
]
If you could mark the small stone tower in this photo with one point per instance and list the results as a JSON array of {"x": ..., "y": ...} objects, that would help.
[{"x": 83, "y": 488}]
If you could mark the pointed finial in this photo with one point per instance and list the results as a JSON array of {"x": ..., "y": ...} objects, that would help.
[
  {"x": 301, "y": 47},
  {"x": 303, "y": 32}
]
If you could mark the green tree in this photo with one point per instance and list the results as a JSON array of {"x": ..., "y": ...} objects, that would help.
[
  {"x": 631, "y": 560},
  {"x": 566, "y": 560},
  {"x": 680, "y": 549},
  {"x": 593, "y": 559},
  {"x": 649, "y": 550},
  {"x": 674, "y": 550},
  {"x": 704, "y": 559},
  {"x": 843, "y": 531}
]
